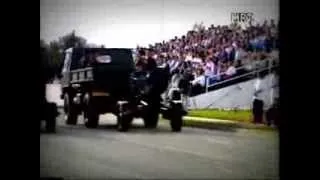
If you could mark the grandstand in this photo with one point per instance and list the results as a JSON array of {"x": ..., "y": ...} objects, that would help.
[{"x": 220, "y": 56}]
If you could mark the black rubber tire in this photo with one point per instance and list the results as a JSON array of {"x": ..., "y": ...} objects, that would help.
[
  {"x": 176, "y": 124},
  {"x": 51, "y": 125},
  {"x": 151, "y": 119},
  {"x": 92, "y": 119},
  {"x": 124, "y": 123},
  {"x": 91, "y": 115},
  {"x": 70, "y": 110},
  {"x": 51, "y": 114}
]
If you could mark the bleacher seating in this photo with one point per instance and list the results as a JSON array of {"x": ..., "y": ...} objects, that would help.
[{"x": 218, "y": 53}]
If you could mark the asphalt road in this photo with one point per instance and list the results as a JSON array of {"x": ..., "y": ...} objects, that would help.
[{"x": 75, "y": 152}]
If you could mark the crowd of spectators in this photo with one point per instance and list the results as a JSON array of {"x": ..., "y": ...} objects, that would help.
[{"x": 217, "y": 51}]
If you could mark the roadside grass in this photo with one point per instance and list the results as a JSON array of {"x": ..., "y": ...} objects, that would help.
[
  {"x": 241, "y": 118},
  {"x": 234, "y": 115},
  {"x": 210, "y": 125}
]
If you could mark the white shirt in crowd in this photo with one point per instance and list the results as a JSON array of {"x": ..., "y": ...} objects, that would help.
[
  {"x": 234, "y": 44},
  {"x": 199, "y": 80},
  {"x": 260, "y": 88},
  {"x": 205, "y": 42},
  {"x": 170, "y": 63},
  {"x": 197, "y": 60},
  {"x": 231, "y": 71},
  {"x": 174, "y": 65},
  {"x": 188, "y": 58},
  {"x": 257, "y": 88},
  {"x": 239, "y": 54},
  {"x": 228, "y": 50},
  {"x": 209, "y": 69},
  {"x": 275, "y": 87}
]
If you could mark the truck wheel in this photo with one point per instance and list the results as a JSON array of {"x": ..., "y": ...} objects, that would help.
[
  {"x": 124, "y": 123},
  {"x": 70, "y": 110},
  {"x": 51, "y": 125},
  {"x": 151, "y": 119},
  {"x": 90, "y": 114},
  {"x": 176, "y": 124},
  {"x": 92, "y": 119},
  {"x": 51, "y": 114}
]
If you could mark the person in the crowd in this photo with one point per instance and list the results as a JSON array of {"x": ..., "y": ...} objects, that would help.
[
  {"x": 239, "y": 52},
  {"x": 239, "y": 67},
  {"x": 189, "y": 56},
  {"x": 273, "y": 112},
  {"x": 174, "y": 64},
  {"x": 229, "y": 52},
  {"x": 231, "y": 70},
  {"x": 209, "y": 67},
  {"x": 160, "y": 60},
  {"x": 275, "y": 85},
  {"x": 258, "y": 103},
  {"x": 199, "y": 82}
]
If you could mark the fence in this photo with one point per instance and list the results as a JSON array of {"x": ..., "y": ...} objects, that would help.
[
  {"x": 236, "y": 96},
  {"x": 253, "y": 73}
]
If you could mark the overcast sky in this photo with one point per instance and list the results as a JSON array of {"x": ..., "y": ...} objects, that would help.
[{"x": 126, "y": 23}]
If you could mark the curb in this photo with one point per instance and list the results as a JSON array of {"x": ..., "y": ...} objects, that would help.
[{"x": 207, "y": 123}]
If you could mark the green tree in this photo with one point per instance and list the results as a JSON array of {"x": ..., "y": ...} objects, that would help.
[
  {"x": 47, "y": 71},
  {"x": 44, "y": 53},
  {"x": 43, "y": 44},
  {"x": 54, "y": 50},
  {"x": 55, "y": 54},
  {"x": 71, "y": 40}
]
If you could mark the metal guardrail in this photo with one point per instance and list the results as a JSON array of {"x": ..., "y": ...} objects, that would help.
[{"x": 270, "y": 66}]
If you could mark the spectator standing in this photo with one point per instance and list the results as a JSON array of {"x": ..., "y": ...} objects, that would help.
[
  {"x": 209, "y": 67},
  {"x": 197, "y": 59},
  {"x": 229, "y": 51},
  {"x": 189, "y": 57},
  {"x": 239, "y": 53},
  {"x": 275, "y": 86},
  {"x": 258, "y": 103}
]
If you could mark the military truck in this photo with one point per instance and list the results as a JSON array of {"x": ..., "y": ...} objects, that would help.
[{"x": 101, "y": 80}]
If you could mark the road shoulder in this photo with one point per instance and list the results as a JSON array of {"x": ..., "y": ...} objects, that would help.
[{"x": 209, "y": 123}]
